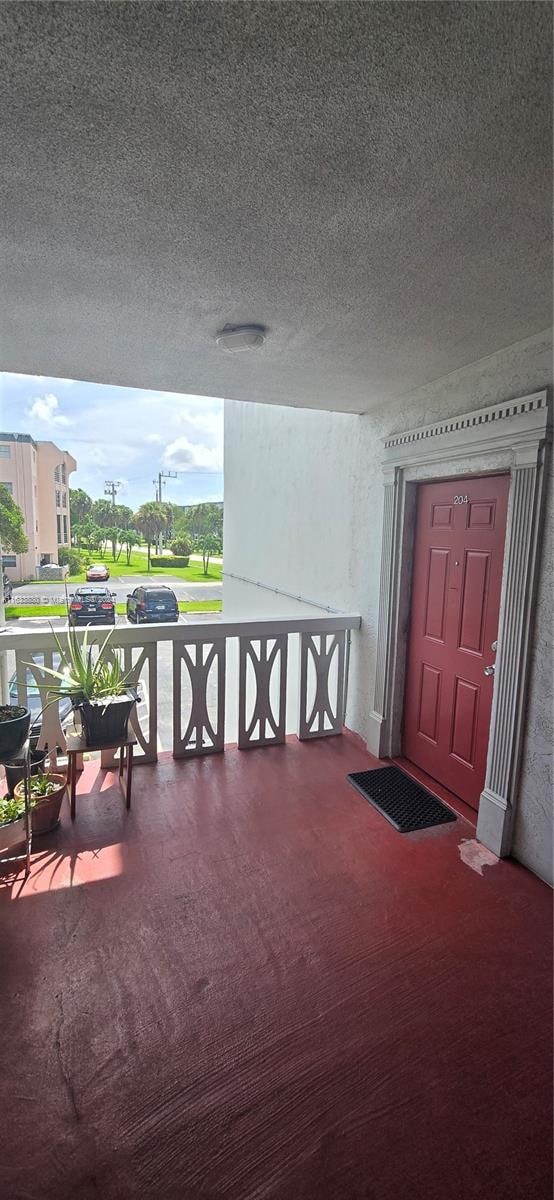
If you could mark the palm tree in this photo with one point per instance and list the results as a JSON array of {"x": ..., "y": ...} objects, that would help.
[{"x": 152, "y": 519}]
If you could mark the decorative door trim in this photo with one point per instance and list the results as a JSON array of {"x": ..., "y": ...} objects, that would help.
[{"x": 509, "y": 437}]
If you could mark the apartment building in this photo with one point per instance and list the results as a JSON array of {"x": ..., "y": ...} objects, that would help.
[{"x": 37, "y": 476}]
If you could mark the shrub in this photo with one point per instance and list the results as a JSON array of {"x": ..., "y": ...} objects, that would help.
[
  {"x": 181, "y": 547},
  {"x": 71, "y": 558},
  {"x": 169, "y": 562}
]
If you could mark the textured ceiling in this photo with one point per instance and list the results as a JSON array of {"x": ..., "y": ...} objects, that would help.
[{"x": 371, "y": 181}]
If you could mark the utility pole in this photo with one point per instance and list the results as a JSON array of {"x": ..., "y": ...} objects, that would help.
[
  {"x": 162, "y": 476},
  {"x": 111, "y": 488}
]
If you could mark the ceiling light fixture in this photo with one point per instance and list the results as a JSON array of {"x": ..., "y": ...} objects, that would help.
[{"x": 236, "y": 338}]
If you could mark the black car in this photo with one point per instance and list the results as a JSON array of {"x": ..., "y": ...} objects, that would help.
[
  {"x": 92, "y": 606},
  {"x": 152, "y": 604}
]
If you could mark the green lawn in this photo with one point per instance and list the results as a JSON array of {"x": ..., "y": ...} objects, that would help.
[
  {"x": 191, "y": 574},
  {"x": 13, "y": 611}
]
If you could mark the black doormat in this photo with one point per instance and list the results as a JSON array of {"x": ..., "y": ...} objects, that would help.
[{"x": 402, "y": 801}]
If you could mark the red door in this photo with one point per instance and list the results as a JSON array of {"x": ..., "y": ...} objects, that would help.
[{"x": 457, "y": 572}]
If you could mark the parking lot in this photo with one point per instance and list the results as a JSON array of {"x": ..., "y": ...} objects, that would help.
[{"x": 121, "y": 586}]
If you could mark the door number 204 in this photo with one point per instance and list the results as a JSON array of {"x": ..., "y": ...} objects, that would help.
[{"x": 461, "y": 499}]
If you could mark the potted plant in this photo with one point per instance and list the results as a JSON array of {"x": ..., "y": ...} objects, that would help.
[
  {"x": 98, "y": 688},
  {"x": 47, "y": 793},
  {"x": 14, "y": 728},
  {"x": 15, "y": 771},
  {"x": 12, "y": 826}
]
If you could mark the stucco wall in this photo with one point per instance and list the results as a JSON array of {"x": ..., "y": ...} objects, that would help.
[{"x": 303, "y": 512}]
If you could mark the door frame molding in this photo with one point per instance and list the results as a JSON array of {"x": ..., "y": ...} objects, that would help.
[{"x": 505, "y": 438}]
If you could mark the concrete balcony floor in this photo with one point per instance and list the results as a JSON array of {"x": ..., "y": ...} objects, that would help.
[{"x": 251, "y": 986}]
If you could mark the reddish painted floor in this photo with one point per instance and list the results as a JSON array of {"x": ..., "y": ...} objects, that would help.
[{"x": 251, "y": 987}]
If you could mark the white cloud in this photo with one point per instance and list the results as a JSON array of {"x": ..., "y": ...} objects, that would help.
[
  {"x": 45, "y": 408},
  {"x": 155, "y": 438},
  {"x": 184, "y": 455},
  {"x": 106, "y": 454},
  {"x": 208, "y": 423}
]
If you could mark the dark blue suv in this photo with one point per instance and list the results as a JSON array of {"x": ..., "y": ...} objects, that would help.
[{"x": 148, "y": 604}]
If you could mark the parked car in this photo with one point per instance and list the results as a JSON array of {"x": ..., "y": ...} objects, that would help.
[
  {"x": 152, "y": 604},
  {"x": 97, "y": 573},
  {"x": 7, "y": 589},
  {"x": 92, "y": 606}
]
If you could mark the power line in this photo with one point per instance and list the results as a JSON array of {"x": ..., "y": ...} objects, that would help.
[
  {"x": 160, "y": 481},
  {"x": 111, "y": 488}
]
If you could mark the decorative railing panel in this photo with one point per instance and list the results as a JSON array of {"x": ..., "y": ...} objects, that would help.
[
  {"x": 321, "y": 714},
  {"x": 203, "y": 734},
  {"x": 189, "y": 667},
  {"x": 262, "y": 660}
]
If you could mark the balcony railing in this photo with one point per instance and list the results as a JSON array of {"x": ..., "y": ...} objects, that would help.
[{"x": 234, "y": 681}]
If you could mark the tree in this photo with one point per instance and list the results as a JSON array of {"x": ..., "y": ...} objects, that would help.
[
  {"x": 128, "y": 538},
  {"x": 80, "y": 505},
  {"x": 198, "y": 520},
  {"x": 181, "y": 547},
  {"x": 208, "y": 544},
  {"x": 12, "y": 538},
  {"x": 122, "y": 516},
  {"x": 102, "y": 513},
  {"x": 88, "y": 535},
  {"x": 153, "y": 519},
  {"x": 112, "y": 534},
  {"x": 12, "y": 532}
]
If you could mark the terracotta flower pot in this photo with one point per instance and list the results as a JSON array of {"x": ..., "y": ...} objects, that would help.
[
  {"x": 45, "y": 810},
  {"x": 12, "y": 838}
]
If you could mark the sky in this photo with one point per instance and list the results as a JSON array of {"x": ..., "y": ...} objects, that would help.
[{"x": 122, "y": 434}]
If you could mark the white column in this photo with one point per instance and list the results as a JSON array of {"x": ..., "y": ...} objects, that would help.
[
  {"x": 380, "y": 716},
  {"x": 498, "y": 799}
]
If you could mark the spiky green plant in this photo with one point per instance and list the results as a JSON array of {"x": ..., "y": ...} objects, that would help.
[
  {"x": 81, "y": 677},
  {"x": 11, "y": 810}
]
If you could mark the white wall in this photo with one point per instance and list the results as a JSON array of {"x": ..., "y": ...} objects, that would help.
[{"x": 303, "y": 512}]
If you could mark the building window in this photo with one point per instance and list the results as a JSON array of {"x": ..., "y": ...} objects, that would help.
[
  {"x": 5, "y": 451},
  {"x": 59, "y": 525},
  {"x": 64, "y": 499},
  {"x": 8, "y": 487},
  {"x": 57, "y": 474},
  {"x": 57, "y": 497},
  {"x": 64, "y": 530},
  {"x": 9, "y": 560},
  {"x": 64, "y": 480}
]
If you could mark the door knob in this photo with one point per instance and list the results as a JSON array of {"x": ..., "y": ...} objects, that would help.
[{"x": 488, "y": 670}]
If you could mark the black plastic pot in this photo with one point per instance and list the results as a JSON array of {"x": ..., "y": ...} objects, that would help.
[
  {"x": 16, "y": 772},
  {"x": 105, "y": 721},
  {"x": 14, "y": 728}
]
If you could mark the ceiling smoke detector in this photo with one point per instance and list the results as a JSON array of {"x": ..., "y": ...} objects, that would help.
[{"x": 236, "y": 338}]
